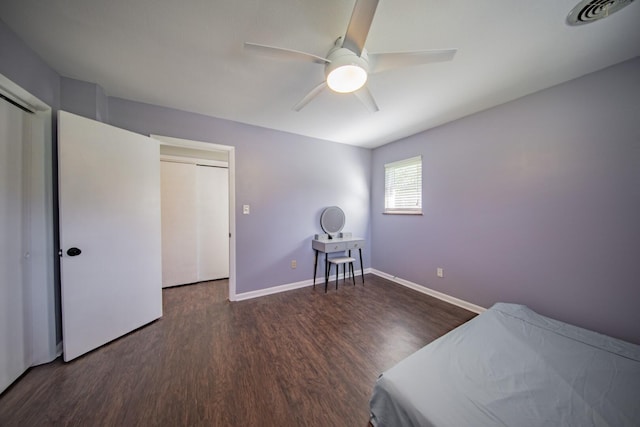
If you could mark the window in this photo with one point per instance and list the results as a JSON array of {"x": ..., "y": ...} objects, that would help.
[{"x": 403, "y": 186}]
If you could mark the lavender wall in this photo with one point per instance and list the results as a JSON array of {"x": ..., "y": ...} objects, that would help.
[
  {"x": 84, "y": 99},
  {"x": 26, "y": 69},
  {"x": 286, "y": 179},
  {"x": 536, "y": 202}
]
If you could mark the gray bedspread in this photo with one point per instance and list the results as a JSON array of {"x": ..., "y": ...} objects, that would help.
[{"x": 510, "y": 366}]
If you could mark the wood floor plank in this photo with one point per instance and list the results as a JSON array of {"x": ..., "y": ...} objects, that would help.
[{"x": 299, "y": 358}]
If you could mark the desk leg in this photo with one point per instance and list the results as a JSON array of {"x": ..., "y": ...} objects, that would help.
[
  {"x": 352, "y": 273},
  {"x": 326, "y": 271},
  {"x": 315, "y": 268},
  {"x": 361, "y": 266}
]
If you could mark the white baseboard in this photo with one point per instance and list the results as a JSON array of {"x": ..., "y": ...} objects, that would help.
[
  {"x": 273, "y": 290},
  {"x": 436, "y": 294},
  {"x": 289, "y": 287},
  {"x": 319, "y": 282}
]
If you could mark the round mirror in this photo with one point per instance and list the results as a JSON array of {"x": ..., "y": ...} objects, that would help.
[{"x": 332, "y": 220}]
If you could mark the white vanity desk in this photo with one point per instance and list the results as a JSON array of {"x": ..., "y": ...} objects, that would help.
[{"x": 337, "y": 244}]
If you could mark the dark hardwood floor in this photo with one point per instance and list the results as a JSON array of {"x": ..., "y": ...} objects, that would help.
[{"x": 299, "y": 358}]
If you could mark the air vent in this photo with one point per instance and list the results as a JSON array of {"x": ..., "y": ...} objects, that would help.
[{"x": 591, "y": 10}]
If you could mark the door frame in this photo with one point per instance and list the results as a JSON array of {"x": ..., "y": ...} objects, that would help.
[{"x": 230, "y": 150}]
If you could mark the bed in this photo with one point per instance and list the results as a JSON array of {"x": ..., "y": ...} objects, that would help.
[{"x": 510, "y": 366}]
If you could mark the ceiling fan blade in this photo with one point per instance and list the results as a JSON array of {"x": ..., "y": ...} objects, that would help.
[
  {"x": 359, "y": 25},
  {"x": 309, "y": 97},
  {"x": 365, "y": 96},
  {"x": 379, "y": 62},
  {"x": 284, "y": 53}
]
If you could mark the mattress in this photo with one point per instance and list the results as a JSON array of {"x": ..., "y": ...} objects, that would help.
[{"x": 510, "y": 366}]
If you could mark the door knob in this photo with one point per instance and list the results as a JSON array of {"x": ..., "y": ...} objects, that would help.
[{"x": 74, "y": 252}]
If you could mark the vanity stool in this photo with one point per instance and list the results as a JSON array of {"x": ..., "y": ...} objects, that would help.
[{"x": 344, "y": 260}]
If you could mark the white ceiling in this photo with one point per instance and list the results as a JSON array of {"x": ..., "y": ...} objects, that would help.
[{"x": 189, "y": 55}]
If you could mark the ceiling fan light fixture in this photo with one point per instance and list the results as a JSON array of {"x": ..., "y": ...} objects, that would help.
[
  {"x": 346, "y": 72},
  {"x": 346, "y": 78}
]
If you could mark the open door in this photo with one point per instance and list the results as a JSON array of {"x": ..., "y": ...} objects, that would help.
[{"x": 110, "y": 235}]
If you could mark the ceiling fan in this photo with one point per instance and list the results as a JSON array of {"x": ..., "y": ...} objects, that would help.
[{"x": 347, "y": 65}]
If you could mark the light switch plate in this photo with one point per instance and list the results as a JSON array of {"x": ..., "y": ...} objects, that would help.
[{"x": 246, "y": 209}]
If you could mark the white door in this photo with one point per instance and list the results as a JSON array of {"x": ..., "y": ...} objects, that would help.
[
  {"x": 179, "y": 218},
  {"x": 109, "y": 201},
  {"x": 14, "y": 359},
  {"x": 213, "y": 222}
]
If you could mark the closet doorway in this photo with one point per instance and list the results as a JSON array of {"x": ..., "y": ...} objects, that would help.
[
  {"x": 27, "y": 294},
  {"x": 197, "y": 212}
]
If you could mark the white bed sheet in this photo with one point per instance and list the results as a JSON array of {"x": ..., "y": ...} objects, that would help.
[{"x": 510, "y": 366}]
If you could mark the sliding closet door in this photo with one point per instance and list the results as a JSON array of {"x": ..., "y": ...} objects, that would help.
[
  {"x": 195, "y": 223},
  {"x": 14, "y": 355},
  {"x": 213, "y": 222},
  {"x": 179, "y": 219}
]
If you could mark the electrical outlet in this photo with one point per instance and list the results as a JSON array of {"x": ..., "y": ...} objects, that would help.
[
  {"x": 294, "y": 263},
  {"x": 440, "y": 272}
]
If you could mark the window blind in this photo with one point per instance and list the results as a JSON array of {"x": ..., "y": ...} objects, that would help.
[{"x": 403, "y": 186}]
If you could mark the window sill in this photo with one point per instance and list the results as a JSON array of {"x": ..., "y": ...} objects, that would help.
[{"x": 402, "y": 213}]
